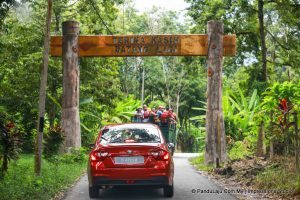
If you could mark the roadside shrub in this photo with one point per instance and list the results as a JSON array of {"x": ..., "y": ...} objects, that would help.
[
  {"x": 76, "y": 155},
  {"x": 9, "y": 145},
  {"x": 199, "y": 163},
  {"x": 52, "y": 142},
  {"x": 238, "y": 151},
  {"x": 250, "y": 140},
  {"x": 186, "y": 141}
]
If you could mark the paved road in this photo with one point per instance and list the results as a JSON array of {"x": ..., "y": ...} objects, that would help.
[{"x": 186, "y": 180}]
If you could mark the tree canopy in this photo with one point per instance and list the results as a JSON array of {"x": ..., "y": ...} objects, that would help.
[{"x": 106, "y": 84}]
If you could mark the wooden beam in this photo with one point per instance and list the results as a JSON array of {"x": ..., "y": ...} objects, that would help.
[{"x": 144, "y": 45}]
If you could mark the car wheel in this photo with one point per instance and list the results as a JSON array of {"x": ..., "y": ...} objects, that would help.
[
  {"x": 94, "y": 192},
  {"x": 169, "y": 191}
]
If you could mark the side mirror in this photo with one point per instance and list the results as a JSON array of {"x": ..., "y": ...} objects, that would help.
[{"x": 171, "y": 145}]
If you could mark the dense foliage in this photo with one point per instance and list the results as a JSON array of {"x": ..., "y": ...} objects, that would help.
[
  {"x": 254, "y": 81},
  {"x": 109, "y": 87}
]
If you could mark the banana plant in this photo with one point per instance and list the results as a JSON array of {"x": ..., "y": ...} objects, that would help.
[
  {"x": 87, "y": 113},
  {"x": 200, "y": 118},
  {"x": 122, "y": 112},
  {"x": 238, "y": 110},
  {"x": 243, "y": 109}
]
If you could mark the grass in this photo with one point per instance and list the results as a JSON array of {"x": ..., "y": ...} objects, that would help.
[
  {"x": 199, "y": 163},
  {"x": 21, "y": 183},
  {"x": 238, "y": 151},
  {"x": 279, "y": 179}
]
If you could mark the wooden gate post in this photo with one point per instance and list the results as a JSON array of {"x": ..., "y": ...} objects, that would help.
[
  {"x": 215, "y": 152},
  {"x": 70, "y": 96}
]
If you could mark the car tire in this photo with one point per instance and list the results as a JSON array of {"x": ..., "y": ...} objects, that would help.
[
  {"x": 169, "y": 191},
  {"x": 93, "y": 192}
]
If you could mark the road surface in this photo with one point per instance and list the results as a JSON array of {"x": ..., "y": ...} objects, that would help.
[{"x": 188, "y": 185}]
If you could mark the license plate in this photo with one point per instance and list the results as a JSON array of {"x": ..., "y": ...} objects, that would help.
[{"x": 129, "y": 160}]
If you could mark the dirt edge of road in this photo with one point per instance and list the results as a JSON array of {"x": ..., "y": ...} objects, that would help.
[{"x": 240, "y": 188}]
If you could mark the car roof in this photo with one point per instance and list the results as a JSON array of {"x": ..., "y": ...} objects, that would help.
[{"x": 132, "y": 125}]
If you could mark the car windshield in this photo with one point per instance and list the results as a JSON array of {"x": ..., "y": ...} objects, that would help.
[{"x": 130, "y": 135}]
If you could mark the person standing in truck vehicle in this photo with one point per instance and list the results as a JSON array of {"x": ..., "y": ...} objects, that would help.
[
  {"x": 165, "y": 117},
  {"x": 146, "y": 114},
  {"x": 139, "y": 115},
  {"x": 172, "y": 117}
]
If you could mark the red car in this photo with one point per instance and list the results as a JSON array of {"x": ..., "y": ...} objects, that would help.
[{"x": 131, "y": 154}]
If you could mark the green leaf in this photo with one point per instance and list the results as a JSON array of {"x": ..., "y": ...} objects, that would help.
[
  {"x": 86, "y": 101},
  {"x": 86, "y": 128},
  {"x": 252, "y": 100},
  {"x": 199, "y": 117},
  {"x": 54, "y": 100},
  {"x": 195, "y": 108}
]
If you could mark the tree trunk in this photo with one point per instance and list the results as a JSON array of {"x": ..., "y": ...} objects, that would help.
[
  {"x": 271, "y": 139},
  {"x": 297, "y": 150},
  {"x": 143, "y": 85},
  {"x": 42, "y": 97},
  {"x": 264, "y": 76},
  {"x": 125, "y": 77},
  {"x": 70, "y": 102},
  {"x": 261, "y": 149},
  {"x": 215, "y": 152},
  {"x": 177, "y": 104},
  {"x": 271, "y": 149},
  {"x": 51, "y": 114},
  {"x": 166, "y": 82},
  {"x": 57, "y": 21}
]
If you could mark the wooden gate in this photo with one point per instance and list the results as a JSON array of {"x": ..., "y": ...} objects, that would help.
[{"x": 213, "y": 45}]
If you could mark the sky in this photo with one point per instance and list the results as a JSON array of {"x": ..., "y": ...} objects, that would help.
[{"x": 176, "y": 5}]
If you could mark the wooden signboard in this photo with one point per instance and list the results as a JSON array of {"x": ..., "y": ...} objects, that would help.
[{"x": 144, "y": 45}]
